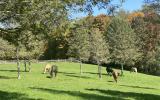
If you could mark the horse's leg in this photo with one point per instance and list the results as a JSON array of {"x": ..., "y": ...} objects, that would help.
[{"x": 115, "y": 76}]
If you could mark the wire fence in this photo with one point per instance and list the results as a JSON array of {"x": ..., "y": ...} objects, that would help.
[{"x": 40, "y": 61}]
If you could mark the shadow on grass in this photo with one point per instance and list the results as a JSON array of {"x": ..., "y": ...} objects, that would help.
[
  {"x": 67, "y": 73},
  {"x": 93, "y": 73},
  {"x": 48, "y": 77},
  {"x": 51, "y": 77},
  {"x": 74, "y": 75},
  {"x": 6, "y": 77},
  {"x": 84, "y": 96},
  {"x": 111, "y": 81},
  {"x": 125, "y": 95},
  {"x": 79, "y": 76},
  {"x": 139, "y": 87},
  {"x": 10, "y": 70},
  {"x": 14, "y": 96}
]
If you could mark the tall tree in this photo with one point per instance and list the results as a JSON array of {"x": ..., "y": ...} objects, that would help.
[
  {"x": 153, "y": 5},
  {"x": 147, "y": 34},
  {"x": 79, "y": 41},
  {"x": 87, "y": 41},
  {"x": 99, "y": 52},
  {"x": 28, "y": 19},
  {"x": 121, "y": 39}
]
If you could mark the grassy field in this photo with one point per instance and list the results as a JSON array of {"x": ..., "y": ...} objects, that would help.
[{"x": 70, "y": 85}]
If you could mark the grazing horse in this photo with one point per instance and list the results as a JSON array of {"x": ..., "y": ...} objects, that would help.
[
  {"x": 133, "y": 69},
  {"x": 109, "y": 70},
  {"x": 54, "y": 70},
  {"x": 113, "y": 73},
  {"x": 47, "y": 68}
]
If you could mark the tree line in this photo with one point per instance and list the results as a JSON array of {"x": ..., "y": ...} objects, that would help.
[{"x": 40, "y": 29}]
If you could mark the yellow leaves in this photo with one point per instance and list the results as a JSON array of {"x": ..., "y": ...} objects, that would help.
[{"x": 134, "y": 15}]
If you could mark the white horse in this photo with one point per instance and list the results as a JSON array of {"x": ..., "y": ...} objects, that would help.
[{"x": 47, "y": 68}]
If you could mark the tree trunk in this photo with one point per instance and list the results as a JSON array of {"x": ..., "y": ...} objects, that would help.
[
  {"x": 80, "y": 67},
  {"x": 25, "y": 66},
  {"x": 121, "y": 69},
  {"x": 29, "y": 63},
  {"x": 18, "y": 63}
]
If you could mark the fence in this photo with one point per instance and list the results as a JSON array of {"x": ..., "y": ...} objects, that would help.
[
  {"x": 43, "y": 61},
  {"x": 40, "y": 61}
]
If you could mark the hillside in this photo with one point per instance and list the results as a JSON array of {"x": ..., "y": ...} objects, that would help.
[{"x": 70, "y": 85}]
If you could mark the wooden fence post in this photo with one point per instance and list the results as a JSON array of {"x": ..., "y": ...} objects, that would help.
[
  {"x": 81, "y": 68},
  {"x": 99, "y": 70}
]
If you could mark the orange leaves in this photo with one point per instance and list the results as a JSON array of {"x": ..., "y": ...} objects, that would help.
[
  {"x": 102, "y": 21},
  {"x": 134, "y": 15}
]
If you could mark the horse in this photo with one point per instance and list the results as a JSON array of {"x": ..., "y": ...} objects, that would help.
[
  {"x": 113, "y": 73},
  {"x": 133, "y": 69},
  {"x": 109, "y": 70},
  {"x": 47, "y": 68},
  {"x": 54, "y": 71}
]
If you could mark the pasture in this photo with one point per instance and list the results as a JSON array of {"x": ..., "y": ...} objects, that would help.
[{"x": 70, "y": 85}]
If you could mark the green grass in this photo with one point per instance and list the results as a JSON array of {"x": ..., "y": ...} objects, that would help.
[{"x": 70, "y": 85}]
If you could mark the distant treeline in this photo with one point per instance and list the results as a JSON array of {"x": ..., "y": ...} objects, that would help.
[{"x": 125, "y": 39}]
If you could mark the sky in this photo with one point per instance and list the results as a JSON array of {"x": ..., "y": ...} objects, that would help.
[{"x": 128, "y": 5}]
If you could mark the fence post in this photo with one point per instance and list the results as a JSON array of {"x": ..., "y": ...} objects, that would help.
[
  {"x": 99, "y": 70},
  {"x": 25, "y": 66},
  {"x": 81, "y": 68}
]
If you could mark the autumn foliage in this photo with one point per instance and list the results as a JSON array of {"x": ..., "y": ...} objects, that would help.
[{"x": 134, "y": 15}]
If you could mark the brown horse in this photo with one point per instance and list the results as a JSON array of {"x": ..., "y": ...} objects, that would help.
[
  {"x": 113, "y": 72},
  {"x": 115, "y": 75}
]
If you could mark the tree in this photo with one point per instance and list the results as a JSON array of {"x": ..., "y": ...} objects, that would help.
[
  {"x": 134, "y": 15},
  {"x": 87, "y": 41},
  {"x": 6, "y": 50},
  {"x": 38, "y": 17},
  {"x": 99, "y": 52},
  {"x": 101, "y": 22},
  {"x": 79, "y": 41},
  {"x": 29, "y": 19},
  {"x": 153, "y": 5},
  {"x": 147, "y": 35},
  {"x": 121, "y": 40}
]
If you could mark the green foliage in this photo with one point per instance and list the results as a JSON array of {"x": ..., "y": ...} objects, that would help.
[
  {"x": 140, "y": 30},
  {"x": 153, "y": 5},
  {"x": 25, "y": 21},
  {"x": 87, "y": 42},
  {"x": 7, "y": 51},
  {"x": 121, "y": 39},
  {"x": 98, "y": 47},
  {"x": 79, "y": 41},
  {"x": 147, "y": 35},
  {"x": 32, "y": 21},
  {"x": 57, "y": 45},
  {"x": 123, "y": 14}
]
